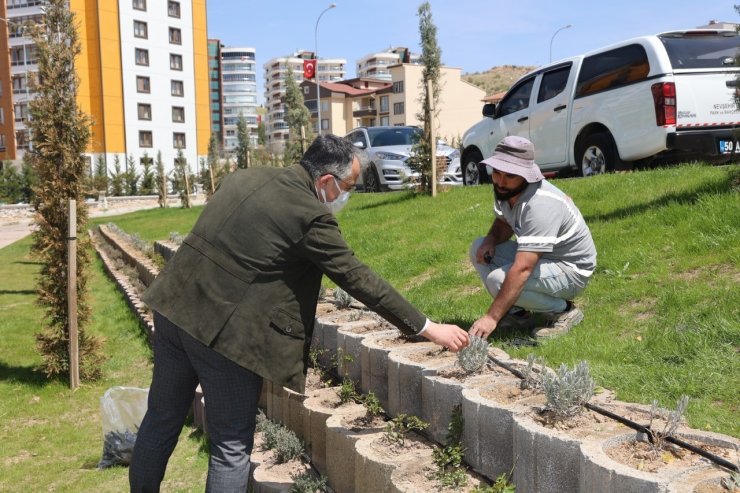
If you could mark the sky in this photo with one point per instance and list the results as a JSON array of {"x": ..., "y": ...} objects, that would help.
[{"x": 474, "y": 35}]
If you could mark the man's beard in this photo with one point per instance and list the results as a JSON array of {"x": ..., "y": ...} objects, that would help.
[{"x": 508, "y": 193}]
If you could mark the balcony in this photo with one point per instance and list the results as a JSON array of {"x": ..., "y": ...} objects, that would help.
[{"x": 361, "y": 111}]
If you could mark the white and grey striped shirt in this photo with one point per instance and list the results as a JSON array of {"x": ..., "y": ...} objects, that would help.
[{"x": 546, "y": 220}]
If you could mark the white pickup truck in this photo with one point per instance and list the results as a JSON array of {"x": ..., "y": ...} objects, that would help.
[{"x": 668, "y": 96}]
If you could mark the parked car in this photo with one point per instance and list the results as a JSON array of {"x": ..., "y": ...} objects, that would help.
[
  {"x": 664, "y": 97},
  {"x": 389, "y": 149}
]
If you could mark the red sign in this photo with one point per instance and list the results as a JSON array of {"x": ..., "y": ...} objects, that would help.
[{"x": 309, "y": 69}]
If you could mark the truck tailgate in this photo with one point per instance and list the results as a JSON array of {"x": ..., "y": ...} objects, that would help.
[{"x": 706, "y": 99}]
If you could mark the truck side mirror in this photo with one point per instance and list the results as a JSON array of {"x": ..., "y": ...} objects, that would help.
[
  {"x": 360, "y": 144},
  {"x": 489, "y": 109}
]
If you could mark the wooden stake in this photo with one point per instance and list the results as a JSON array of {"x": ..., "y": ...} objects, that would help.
[
  {"x": 74, "y": 356},
  {"x": 432, "y": 136},
  {"x": 213, "y": 186},
  {"x": 303, "y": 139}
]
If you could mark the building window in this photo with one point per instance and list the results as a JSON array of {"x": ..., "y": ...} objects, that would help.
[
  {"x": 324, "y": 124},
  {"x": 139, "y": 4},
  {"x": 385, "y": 121},
  {"x": 142, "y": 57},
  {"x": 142, "y": 84},
  {"x": 2, "y": 142},
  {"x": 145, "y": 111},
  {"x": 173, "y": 9},
  {"x": 178, "y": 114},
  {"x": 176, "y": 88},
  {"x": 145, "y": 138},
  {"x": 140, "y": 30},
  {"x": 398, "y": 87},
  {"x": 2, "y": 116},
  {"x": 383, "y": 104},
  {"x": 398, "y": 108},
  {"x": 305, "y": 90},
  {"x": 178, "y": 140},
  {"x": 175, "y": 61},
  {"x": 175, "y": 36}
]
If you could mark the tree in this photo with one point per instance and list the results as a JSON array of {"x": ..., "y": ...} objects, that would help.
[
  {"x": 297, "y": 116},
  {"x": 148, "y": 184},
  {"x": 261, "y": 133},
  {"x": 61, "y": 132},
  {"x": 118, "y": 178},
  {"x": 431, "y": 55},
  {"x": 242, "y": 148},
  {"x": 11, "y": 185},
  {"x": 100, "y": 178},
  {"x": 161, "y": 179},
  {"x": 181, "y": 179},
  {"x": 131, "y": 177}
]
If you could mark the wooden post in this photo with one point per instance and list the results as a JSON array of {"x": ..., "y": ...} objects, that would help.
[
  {"x": 432, "y": 136},
  {"x": 303, "y": 139},
  {"x": 74, "y": 356},
  {"x": 164, "y": 190},
  {"x": 249, "y": 158},
  {"x": 186, "y": 170}
]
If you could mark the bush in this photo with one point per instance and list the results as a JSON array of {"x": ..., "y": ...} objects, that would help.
[{"x": 568, "y": 390}]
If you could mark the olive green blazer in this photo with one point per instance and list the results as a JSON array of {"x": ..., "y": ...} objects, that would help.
[{"x": 246, "y": 280}]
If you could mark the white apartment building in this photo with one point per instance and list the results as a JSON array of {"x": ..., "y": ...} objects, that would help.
[
  {"x": 375, "y": 65},
  {"x": 239, "y": 91},
  {"x": 327, "y": 70}
]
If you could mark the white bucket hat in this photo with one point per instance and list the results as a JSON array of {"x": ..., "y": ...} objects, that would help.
[{"x": 515, "y": 155}]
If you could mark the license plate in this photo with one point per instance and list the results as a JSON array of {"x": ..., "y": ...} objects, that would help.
[{"x": 726, "y": 146}]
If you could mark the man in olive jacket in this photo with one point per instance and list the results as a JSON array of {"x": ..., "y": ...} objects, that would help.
[{"x": 236, "y": 304}]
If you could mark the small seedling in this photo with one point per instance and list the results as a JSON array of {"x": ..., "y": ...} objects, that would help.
[
  {"x": 456, "y": 426},
  {"x": 501, "y": 485},
  {"x": 308, "y": 483},
  {"x": 450, "y": 472},
  {"x": 176, "y": 238},
  {"x": 372, "y": 404},
  {"x": 342, "y": 298},
  {"x": 348, "y": 392},
  {"x": 732, "y": 483},
  {"x": 672, "y": 421},
  {"x": 397, "y": 428},
  {"x": 533, "y": 375},
  {"x": 568, "y": 390},
  {"x": 473, "y": 356}
]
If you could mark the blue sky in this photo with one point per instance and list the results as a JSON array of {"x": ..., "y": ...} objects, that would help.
[{"x": 474, "y": 35}]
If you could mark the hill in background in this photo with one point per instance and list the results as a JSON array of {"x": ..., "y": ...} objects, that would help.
[{"x": 496, "y": 79}]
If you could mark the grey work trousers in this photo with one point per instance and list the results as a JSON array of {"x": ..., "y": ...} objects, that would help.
[{"x": 231, "y": 393}]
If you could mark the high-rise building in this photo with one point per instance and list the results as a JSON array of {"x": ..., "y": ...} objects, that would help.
[
  {"x": 327, "y": 70},
  {"x": 143, "y": 73},
  {"x": 239, "y": 90},
  {"x": 375, "y": 65},
  {"x": 214, "y": 86}
]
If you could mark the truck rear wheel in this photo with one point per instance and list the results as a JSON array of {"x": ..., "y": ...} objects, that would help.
[{"x": 597, "y": 155}]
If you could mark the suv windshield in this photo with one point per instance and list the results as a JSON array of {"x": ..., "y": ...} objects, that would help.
[
  {"x": 701, "y": 49},
  {"x": 398, "y": 136}
]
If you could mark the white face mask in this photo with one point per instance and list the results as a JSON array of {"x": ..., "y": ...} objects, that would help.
[{"x": 338, "y": 203}]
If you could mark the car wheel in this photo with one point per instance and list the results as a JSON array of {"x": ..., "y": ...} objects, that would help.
[
  {"x": 471, "y": 169},
  {"x": 597, "y": 155},
  {"x": 372, "y": 180}
]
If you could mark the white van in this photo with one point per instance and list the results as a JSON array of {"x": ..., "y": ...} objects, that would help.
[{"x": 666, "y": 96}]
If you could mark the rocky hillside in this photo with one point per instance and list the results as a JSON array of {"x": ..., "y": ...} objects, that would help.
[{"x": 496, "y": 79}]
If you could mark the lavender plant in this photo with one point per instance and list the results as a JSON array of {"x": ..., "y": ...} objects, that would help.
[
  {"x": 473, "y": 356},
  {"x": 672, "y": 420},
  {"x": 568, "y": 390}
]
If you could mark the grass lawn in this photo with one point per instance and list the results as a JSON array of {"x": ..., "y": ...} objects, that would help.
[
  {"x": 50, "y": 436},
  {"x": 662, "y": 311}
]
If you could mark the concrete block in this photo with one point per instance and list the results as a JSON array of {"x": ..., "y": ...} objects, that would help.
[
  {"x": 319, "y": 407},
  {"x": 374, "y": 353},
  {"x": 374, "y": 464},
  {"x": 349, "y": 347},
  {"x": 294, "y": 412}
]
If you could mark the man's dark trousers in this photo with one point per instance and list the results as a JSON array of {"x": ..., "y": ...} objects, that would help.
[{"x": 231, "y": 393}]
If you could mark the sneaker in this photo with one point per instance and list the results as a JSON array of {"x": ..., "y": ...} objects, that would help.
[
  {"x": 516, "y": 318},
  {"x": 560, "y": 323}
]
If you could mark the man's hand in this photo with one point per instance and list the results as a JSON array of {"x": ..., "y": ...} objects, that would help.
[
  {"x": 483, "y": 326},
  {"x": 485, "y": 251},
  {"x": 450, "y": 336}
]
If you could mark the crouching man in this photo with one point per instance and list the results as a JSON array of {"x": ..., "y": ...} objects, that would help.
[{"x": 550, "y": 261}]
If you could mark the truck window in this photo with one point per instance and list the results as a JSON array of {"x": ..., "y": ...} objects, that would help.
[
  {"x": 612, "y": 69},
  {"x": 553, "y": 83},
  {"x": 517, "y": 99},
  {"x": 701, "y": 49}
]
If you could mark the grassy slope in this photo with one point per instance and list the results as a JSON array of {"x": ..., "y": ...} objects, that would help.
[
  {"x": 496, "y": 79},
  {"x": 666, "y": 324},
  {"x": 50, "y": 437}
]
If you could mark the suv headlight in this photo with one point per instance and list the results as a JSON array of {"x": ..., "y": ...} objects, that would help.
[{"x": 390, "y": 156}]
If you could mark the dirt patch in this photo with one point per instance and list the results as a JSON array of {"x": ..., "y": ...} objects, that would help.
[
  {"x": 371, "y": 326},
  {"x": 507, "y": 393},
  {"x": 361, "y": 423},
  {"x": 389, "y": 449},
  {"x": 421, "y": 477},
  {"x": 430, "y": 355},
  {"x": 390, "y": 342},
  {"x": 581, "y": 424},
  {"x": 642, "y": 456},
  {"x": 459, "y": 374}
]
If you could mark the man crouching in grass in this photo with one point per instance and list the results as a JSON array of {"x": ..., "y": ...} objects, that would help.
[{"x": 552, "y": 258}]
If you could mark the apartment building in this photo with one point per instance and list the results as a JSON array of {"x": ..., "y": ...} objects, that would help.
[
  {"x": 375, "y": 65},
  {"x": 143, "y": 73},
  {"x": 276, "y": 69},
  {"x": 239, "y": 93},
  {"x": 369, "y": 102}
]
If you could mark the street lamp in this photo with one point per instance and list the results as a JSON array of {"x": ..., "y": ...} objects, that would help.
[
  {"x": 553, "y": 37},
  {"x": 316, "y": 72},
  {"x": 8, "y": 22}
]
